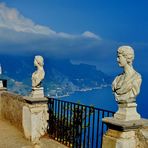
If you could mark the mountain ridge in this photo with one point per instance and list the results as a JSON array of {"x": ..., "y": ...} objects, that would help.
[{"x": 61, "y": 78}]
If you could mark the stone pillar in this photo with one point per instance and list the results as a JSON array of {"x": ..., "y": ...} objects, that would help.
[
  {"x": 3, "y": 85},
  {"x": 0, "y": 105},
  {"x": 35, "y": 118},
  {"x": 122, "y": 134}
]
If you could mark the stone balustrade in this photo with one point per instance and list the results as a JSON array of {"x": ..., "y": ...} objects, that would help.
[{"x": 29, "y": 116}]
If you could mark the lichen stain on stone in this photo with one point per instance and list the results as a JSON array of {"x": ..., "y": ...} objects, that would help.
[
  {"x": 142, "y": 138},
  {"x": 11, "y": 108}
]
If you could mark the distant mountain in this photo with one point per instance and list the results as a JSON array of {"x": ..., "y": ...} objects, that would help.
[
  {"x": 62, "y": 77},
  {"x": 16, "y": 86}
]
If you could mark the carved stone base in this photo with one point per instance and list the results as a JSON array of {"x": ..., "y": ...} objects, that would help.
[
  {"x": 127, "y": 112},
  {"x": 35, "y": 117},
  {"x": 37, "y": 92},
  {"x": 122, "y": 134},
  {"x": 118, "y": 139}
]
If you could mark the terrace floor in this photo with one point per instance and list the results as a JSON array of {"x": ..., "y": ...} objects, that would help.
[{"x": 11, "y": 137}]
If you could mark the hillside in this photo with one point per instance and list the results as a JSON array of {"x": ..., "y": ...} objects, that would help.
[{"x": 62, "y": 77}]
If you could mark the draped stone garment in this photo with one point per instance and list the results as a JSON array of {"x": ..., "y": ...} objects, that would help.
[
  {"x": 126, "y": 87},
  {"x": 37, "y": 77}
]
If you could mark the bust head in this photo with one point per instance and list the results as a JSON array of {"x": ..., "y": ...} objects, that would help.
[
  {"x": 38, "y": 61},
  {"x": 125, "y": 55}
]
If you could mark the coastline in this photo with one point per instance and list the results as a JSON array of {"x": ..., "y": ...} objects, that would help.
[{"x": 83, "y": 90}]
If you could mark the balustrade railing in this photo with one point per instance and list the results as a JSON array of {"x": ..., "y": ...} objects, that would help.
[{"x": 76, "y": 125}]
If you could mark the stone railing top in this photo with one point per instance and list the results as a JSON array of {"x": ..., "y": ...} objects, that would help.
[
  {"x": 125, "y": 125},
  {"x": 11, "y": 95},
  {"x": 31, "y": 100}
]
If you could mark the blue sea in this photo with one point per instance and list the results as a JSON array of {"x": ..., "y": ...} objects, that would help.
[{"x": 104, "y": 99}]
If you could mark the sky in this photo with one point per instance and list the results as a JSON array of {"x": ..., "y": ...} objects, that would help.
[{"x": 84, "y": 31}]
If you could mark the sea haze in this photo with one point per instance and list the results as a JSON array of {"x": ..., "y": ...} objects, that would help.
[
  {"x": 62, "y": 77},
  {"x": 104, "y": 98},
  {"x": 81, "y": 83}
]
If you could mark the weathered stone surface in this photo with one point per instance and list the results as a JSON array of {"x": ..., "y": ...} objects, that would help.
[
  {"x": 126, "y": 86},
  {"x": 1, "y": 84},
  {"x": 125, "y": 125},
  {"x": 118, "y": 139},
  {"x": 37, "y": 78},
  {"x": 127, "y": 112},
  {"x": 144, "y": 132},
  {"x": 31, "y": 100},
  {"x": 125, "y": 129},
  {"x": 126, "y": 134},
  {"x": 39, "y": 74},
  {"x": 11, "y": 108},
  {"x": 35, "y": 118},
  {"x": 142, "y": 138},
  {"x": 49, "y": 143},
  {"x": 37, "y": 93},
  {"x": 0, "y": 105},
  {"x": 2, "y": 87},
  {"x": 11, "y": 137}
]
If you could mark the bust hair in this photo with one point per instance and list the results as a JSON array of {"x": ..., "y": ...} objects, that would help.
[
  {"x": 127, "y": 52},
  {"x": 39, "y": 60}
]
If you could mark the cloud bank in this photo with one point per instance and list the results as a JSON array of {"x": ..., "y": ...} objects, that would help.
[
  {"x": 10, "y": 18},
  {"x": 21, "y": 35}
]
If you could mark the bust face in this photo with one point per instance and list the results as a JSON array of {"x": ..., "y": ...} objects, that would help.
[
  {"x": 35, "y": 62},
  {"x": 121, "y": 60}
]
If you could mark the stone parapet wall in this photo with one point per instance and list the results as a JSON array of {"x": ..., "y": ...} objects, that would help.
[
  {"x": 0, "y": 104},
  {"x": 11, "y": 108}
]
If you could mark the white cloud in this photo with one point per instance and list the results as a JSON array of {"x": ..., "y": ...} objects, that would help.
[
  {"x": 11, "y": 18},
  {"x": 20, "y": 35},
  {"x": 91, "y": 35}
]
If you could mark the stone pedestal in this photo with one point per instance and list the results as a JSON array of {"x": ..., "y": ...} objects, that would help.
[
  {"x": 122, "y": 134},
  {"x": 1, "y": 83},
  {"x": 2, "y": 87},
  {"x": 37, "y": 92},
  {"x": 35, "y": 119},
  {"x": 117, "y": 139},
  {"x": 127, "y": 112}
]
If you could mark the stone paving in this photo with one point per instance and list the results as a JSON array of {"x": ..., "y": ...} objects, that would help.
[{"x": 11, "y": 137}]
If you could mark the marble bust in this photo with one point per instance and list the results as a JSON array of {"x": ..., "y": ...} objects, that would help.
[
  {"x": 126, "y": 86},
  {"x": 39, "y": 74}
]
